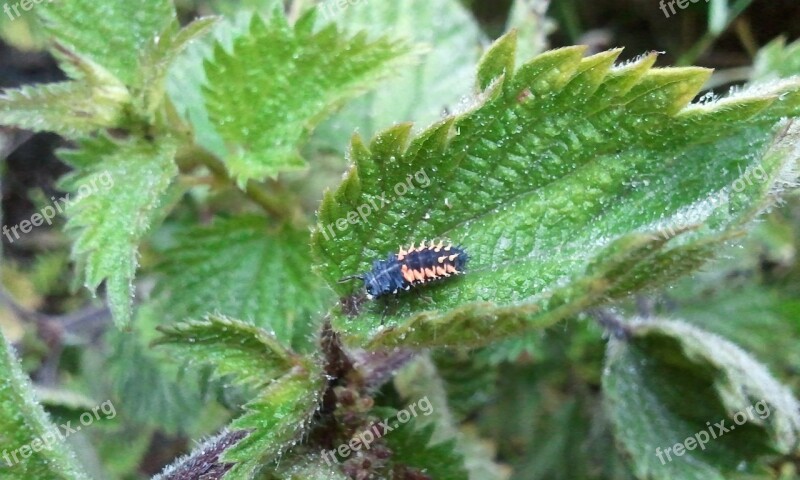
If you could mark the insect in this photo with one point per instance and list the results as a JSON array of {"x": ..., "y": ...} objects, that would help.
[{"x": 412, "y": 267}]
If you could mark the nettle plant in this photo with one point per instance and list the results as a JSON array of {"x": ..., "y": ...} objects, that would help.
[{"x": 572, "y": 181}]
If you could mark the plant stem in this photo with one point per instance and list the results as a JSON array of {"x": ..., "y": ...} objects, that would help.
[{"x": 256, "y": 192}]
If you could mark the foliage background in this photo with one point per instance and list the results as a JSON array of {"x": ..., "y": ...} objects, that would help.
[{"x": 536, "y": 402}]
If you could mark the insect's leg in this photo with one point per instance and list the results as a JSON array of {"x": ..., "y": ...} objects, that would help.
[
  {"x": 390, "y": 306},
  {"x": 424, "y": 298}
]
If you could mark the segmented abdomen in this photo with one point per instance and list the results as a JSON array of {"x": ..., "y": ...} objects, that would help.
[{"x": 415, "y": 266}]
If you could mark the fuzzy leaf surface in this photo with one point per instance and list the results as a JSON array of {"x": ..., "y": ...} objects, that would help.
[
  {"x": 187, "y": 76},
  {"x": 669, "y": 381},
  {"x": 289, "y": 386},
  {"x": 161, "y": 53},
  {"x": 277, "y": 418},
  {"x": 204, "y": 460},
  {"x": 112, "y": 33},
  {"x": 452, "y": 40},
  {"x": 252, "y": 355},
  {"x": 279, "y": 81},
  {"x": 570, "y": 182},
  {"x": 68, "y": 108},
  {"x": 23, "y": 423},
  {"x": 241, "y": 268},
  {"x": 115, "y": 193}
]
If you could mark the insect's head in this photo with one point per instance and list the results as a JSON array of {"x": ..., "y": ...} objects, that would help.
[{"x": 371, "y": 285}]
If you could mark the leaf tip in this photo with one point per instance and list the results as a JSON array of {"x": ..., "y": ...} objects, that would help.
[{"x": 499, "y": 60}]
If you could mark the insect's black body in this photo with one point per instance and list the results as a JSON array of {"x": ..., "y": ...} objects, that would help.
[{"x": 412, "y": 267}]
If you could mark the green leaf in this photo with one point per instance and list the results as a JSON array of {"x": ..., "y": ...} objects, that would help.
[
  {"x": 498, "y": 61},
  {"x": 32, "y": 446},
  {"x": 279, "y": 81},
  {"x": 777, "y": 60},
  {"x": 159, "y": 56},
  {"x": 289, "y": 386},
  {"x": 115, "y": 194},
  {"x": 186, "y": 77},
  {"x": 413, "y": 447},
  {"x": 111, "y": 33},
  {"x": 669, "y": 382},
  {"x": 249, "y": 353},
  {"x": 732, "y": 312},
  {"x": 71, "y": 109},
  {"x": 570, "y": 182},
  {"x": 444, "y": 75},
  {"x": 277, "y": 418},
  {"x": 242, "y": 268},
  {"x": 469, "y": 379},
  {"x": 546, "y": 414},
  {"x": 148, "y": 379},
  {"x": 461, "y": 455}
]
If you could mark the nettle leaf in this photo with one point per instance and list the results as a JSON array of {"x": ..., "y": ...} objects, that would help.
[
  {"x": 452, "y": 40},
  {"x": 277, "y": 418},
  {"x": 289, "y": 386},
  {"x": 670, "y": 383},
  {"x": 570, "y": 182},
  {"x": 414, "y": 449},
  {"x": 236, "y": 348},
  {"x": 32, "y": 446},
  {"x": 159, "y": 56},
  {"x": 71, "y": 109},
  {"x": 546, "y": 414},
  {"x": 112, "y": 33},
  {"x": 279, "y": 81},
  {"x": 186, "y": 77},
  {"x": 733, "y": 311},
  {"x": 242, "y": 268},
  {"x": 115, "y": 194},
  {"x": 438, "y": 446},
  {"x": 777, "y": 60},
  {"x": 148, "y": 379}
]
